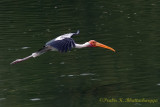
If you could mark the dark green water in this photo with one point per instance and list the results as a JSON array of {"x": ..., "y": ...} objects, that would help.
[{"x": 82, "y": 77}]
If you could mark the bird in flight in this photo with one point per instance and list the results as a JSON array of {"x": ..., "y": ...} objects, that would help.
[{"x": 62, "y": 44}]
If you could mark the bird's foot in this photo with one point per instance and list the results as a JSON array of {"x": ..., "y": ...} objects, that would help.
[{"x": 16, "y": 61}]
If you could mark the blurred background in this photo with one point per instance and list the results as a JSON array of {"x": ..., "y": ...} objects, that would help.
[{"x": 81, "y": 77}]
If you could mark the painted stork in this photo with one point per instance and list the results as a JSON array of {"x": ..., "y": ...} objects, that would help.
[{"x": 63, "y": 43}]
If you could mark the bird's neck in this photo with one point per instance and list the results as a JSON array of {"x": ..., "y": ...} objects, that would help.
[{"x": 82, "y": 45}]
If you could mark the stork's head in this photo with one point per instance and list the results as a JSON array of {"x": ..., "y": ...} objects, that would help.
[{"x": 94, "y": 43}]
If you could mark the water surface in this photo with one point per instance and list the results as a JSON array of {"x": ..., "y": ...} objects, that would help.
[{"x": 83, "y": 76}]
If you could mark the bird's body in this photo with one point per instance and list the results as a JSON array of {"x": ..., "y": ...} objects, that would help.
[{"x": 62, "y": 44}]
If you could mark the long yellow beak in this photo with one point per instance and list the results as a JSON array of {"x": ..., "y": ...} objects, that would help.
[{"x": 104, "y": 46}]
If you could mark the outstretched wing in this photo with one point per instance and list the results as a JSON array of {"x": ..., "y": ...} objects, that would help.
[
  {"x": 63, "y": 43},
  {"x": 68, "y": 35}
]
